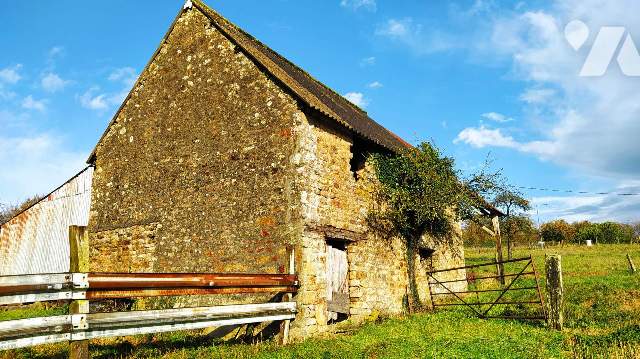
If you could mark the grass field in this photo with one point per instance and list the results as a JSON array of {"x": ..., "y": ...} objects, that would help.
[{"x": 602, "y": 319}]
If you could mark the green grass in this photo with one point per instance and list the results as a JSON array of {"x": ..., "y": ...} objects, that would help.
[{"x": 602, "y": 319}]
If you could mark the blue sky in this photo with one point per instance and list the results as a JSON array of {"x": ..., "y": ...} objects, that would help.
[{"x": 474, "y": 76}]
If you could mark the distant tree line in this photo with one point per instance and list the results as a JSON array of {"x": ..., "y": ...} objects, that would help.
[
  {"x": 520, "y": 230},
  {"x": 579, "y": 232}
]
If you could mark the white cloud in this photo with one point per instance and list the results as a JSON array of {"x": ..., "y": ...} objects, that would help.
[
  {"x": 375, "y": 85},
  {"x": 31, "y": 104},
  {"x": 55, "y": 52},
  {"x": 51, "y": 82},
  {"x": 410, "y": 34},
  {"x": 357, "y": 99},
  {"x": 368, "y": 61},
  {"x": 586, "y": 124},
  {"x": 126, "y": 75},
  {"x": 537, "y": 96},
  {"x": 497, "y": 117},
  {"x": 591, "y": 207},
  {"x": 93, "y": 101},
  {"x": 480, "y": 137},
  {"x": 359, "y": 4},
  {"x": 399, "y": 28},
  {"x": 10, "y": 75}
]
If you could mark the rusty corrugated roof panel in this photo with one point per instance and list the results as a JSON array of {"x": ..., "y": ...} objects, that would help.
[{"x": 37, "y": 239}]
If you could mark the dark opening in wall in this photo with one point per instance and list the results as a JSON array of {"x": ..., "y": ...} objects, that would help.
[{"x": 358, "y": 158}]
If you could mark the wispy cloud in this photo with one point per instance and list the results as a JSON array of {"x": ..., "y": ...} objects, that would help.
[
  {"x": 407, "y": 32},
  {"x": 31, "y": 104},
  {"x": 497, "y": 117},
  {"x": 93, "y": 101},
  {"x": 480, "y": 137},
  {"x": 368, "y": 61},
  {"x": 369, "y": 5},
  {"x": 54, "y": 52},
  {"x": 596, "y": 117},
  {"x": 597, "y": 208},
  {"x": 537, "y": 95},
  {"x": 357, "y": 98},
  {"x": 375, "y": 85},
  {"x": 11, "y": 74},
  {"x": 126, "y": 75},
  {"x": 52, "y": 82}
]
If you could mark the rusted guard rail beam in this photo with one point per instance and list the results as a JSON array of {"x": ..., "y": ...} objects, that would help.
[{"x": 67, "y": 286}]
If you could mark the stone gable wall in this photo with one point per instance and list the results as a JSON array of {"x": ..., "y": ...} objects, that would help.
[{"x": 199, "y": 163}]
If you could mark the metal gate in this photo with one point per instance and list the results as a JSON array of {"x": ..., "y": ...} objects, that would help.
[{"x": 514, "y": 294}]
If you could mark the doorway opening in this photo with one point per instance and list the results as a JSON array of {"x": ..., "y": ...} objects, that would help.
[{"x": 337, "y": 281}]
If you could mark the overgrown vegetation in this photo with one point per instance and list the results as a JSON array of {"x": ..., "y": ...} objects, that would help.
[{"x": 420, "y": 192}]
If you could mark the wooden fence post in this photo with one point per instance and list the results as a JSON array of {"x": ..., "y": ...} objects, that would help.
[
  {"x": 79, "y": 263},
  {"x": 555, "y": 289},
  {"x": 632, "y": 267}
]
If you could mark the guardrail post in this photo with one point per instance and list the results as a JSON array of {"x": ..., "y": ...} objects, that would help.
[
  {"x": 79, "y": 262},
  {"x": 555, "y": 289}
]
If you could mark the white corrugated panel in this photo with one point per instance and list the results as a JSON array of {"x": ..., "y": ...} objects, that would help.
[{"x": 37, "y": 240}]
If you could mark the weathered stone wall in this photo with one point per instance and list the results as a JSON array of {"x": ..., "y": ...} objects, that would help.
[
  {"x": 333, "y": 198},
  {"x": 196, "y": 172},
  {"x": 449, "y": 254}
]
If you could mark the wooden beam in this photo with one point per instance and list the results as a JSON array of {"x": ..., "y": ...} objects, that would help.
[{"x": 491, "y": 233}]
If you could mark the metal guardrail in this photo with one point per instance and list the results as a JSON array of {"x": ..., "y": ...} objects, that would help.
[{"x": 72, "y": 286}]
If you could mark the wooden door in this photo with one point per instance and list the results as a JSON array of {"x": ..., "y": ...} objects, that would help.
[{"x": 337, "y": 279}]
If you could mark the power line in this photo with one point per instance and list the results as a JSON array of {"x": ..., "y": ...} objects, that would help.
[{"x": 615, "y": 193}]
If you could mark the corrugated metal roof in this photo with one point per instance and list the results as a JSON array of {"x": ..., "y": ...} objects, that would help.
[{"x": 37, "y": 239}]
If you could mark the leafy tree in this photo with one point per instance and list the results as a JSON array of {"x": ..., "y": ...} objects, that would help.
[
  {"x": 586, "y": 231},
  {"x": 418, "y": 192},
  {"x": 474, "y": 235},
  {"x": 557, "y": 231},
  {"x": 611, "y": 232},
  {"x": 521, "y": 229},
  {"x": 513, "y": 204}
]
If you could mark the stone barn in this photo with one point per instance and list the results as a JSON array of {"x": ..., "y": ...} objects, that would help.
[{"x": 227, "y": 157}]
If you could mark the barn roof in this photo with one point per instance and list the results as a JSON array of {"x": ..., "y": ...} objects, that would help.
[{"x": 306, "y": 88}]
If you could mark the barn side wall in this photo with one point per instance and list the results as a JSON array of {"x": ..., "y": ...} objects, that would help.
[
  {"x": 335, "y": 200},
  {"x": 37, "y": 240},
  {"x": 196, "y": 172}
]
